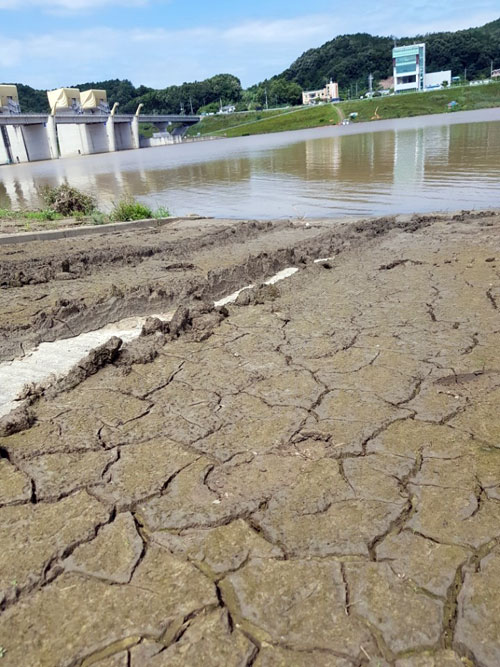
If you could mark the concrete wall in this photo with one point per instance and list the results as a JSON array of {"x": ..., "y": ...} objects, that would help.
[
  {"x": 50, "y": 140},
  {"x": 98, "y": 139},
  {"x": 17, "y": 145},
  {"x": 4, "y": 154},
  {"x": 164, "y": 140},
  {"x": 123, "y": 136},
  {"x": 71, "y": 141},
  {"x": 36, "y": 142}
]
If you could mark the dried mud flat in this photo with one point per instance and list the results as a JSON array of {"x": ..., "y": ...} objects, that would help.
[{"x": 310, "y": 477}]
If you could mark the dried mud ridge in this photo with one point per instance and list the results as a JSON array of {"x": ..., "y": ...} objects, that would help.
[
  {"x": 310, "y": 477},
  {"x": 58, "y": 289}
]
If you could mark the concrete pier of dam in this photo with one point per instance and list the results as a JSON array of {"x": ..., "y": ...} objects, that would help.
[{"x": 31, "y": 137}]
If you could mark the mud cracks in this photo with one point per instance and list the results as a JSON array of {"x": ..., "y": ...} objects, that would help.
[{"x": 312, "y": 480}]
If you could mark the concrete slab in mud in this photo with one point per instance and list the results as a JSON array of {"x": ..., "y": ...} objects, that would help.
[{"x": 311, "y": 477}]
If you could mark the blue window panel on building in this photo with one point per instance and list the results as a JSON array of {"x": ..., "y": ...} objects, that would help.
[
  {"x": 403, "y": 69},
  {"x": 401, "y": 60}
]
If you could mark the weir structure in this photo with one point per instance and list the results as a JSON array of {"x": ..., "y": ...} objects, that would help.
[{"x": 78, "y": 124}]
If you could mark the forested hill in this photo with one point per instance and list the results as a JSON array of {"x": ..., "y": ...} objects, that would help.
[
  {"x": 223, "y": 88},
  {"x": 347, "y": 59},
  {"x": 351, "y": 58}
]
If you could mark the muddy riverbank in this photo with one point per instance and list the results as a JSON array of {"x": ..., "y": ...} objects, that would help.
[{"x": 310, "y": 475}]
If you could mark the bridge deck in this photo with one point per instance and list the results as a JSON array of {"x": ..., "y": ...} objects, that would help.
[{"x": 40, "y": 118}]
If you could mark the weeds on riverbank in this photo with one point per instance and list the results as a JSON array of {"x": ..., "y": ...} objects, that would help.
[
  {"x": 67, "y": 200},
  {"x": 68, "y": 203},
  {"x": 130, "y": 209},
  {"x": 42, "y": 215}
]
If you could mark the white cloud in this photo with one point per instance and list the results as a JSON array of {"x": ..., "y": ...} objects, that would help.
[
  {"x": 68, "y": 5},
  {"x": 160, "y": 57},
  {"x": 283, "y": 31},
  {"x": 252, "y": 50}
]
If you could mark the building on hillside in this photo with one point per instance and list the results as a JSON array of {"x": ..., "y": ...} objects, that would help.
[
  {"x": 9, "y": 99},
  {"x": 95, "y": 101},
  {"x": 330, "y": 93},
  {"x": 65, "y": 100},
  {"x": 409, "y": 68},
  {"x": 495, "y": 74}
]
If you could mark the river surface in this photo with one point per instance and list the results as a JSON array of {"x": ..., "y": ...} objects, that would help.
[{"x": 429, "y": 163}]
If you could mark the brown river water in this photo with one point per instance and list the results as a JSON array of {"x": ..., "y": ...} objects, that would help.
[{"x": 429, "y": 163}]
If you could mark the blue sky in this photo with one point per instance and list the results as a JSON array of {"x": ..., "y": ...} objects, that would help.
[{"x": 48, "y": 43}]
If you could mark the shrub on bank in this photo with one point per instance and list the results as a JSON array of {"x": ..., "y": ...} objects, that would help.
[
  {"x": 67, "y": 200},
  {"x": 131, "y": 209}
]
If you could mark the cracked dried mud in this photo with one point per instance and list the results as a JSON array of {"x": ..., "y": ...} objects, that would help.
[{"x": 310, "y": 476}]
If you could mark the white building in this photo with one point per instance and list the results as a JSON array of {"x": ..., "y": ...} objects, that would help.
[
  {"x": 435, "y": 80},
  {"x": 327, "y": 94},
  {"x": 409, "y": 68}
]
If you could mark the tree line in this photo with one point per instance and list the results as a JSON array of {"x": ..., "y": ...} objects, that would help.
[{"x": 349, "y": 59}]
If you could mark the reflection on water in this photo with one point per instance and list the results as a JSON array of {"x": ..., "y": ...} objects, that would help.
[{"x": 417, "y": 164}]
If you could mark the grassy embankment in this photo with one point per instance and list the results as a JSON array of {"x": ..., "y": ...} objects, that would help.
[
  {"x": 397, "y": 106},
  {"x": 220, "y": 122},
  {"x": 66, "y": 207}
]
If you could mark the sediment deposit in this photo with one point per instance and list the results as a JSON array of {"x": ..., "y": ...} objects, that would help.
[{"x": 310, "y": 476}]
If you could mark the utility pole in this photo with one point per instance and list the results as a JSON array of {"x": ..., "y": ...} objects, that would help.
[
  {"x": 191, "y": 104},
  {"x": 465, "y": 75},
  {"x": 266, "y": 105},
  {"x": 356, "y": 89},
  {"x": 491, "y": 68},
  {"x": 370, "y": 83}
]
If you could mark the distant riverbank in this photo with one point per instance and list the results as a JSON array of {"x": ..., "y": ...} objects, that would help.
[
  {"x": 433, "y": 162},
  {"x": 467, "y": 98}
]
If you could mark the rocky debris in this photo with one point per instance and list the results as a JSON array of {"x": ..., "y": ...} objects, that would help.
[
  {"x": 97, "y": 358},
  {"x": 257, "y": 295},
  {"x": 313, "y": 479},
  {"x": 154, "y": 325},
  {"x": 198, "y": 319},
  {"x": 17, "y": 420}
]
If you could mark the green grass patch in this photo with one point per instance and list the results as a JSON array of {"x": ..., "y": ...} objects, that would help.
[
  {"x": 8, "y": 214},
  {"x": 396, "y": 106},
  {"x": 42, "y": 216},
  {"x": 130, "y": 209},
  {"x": 221, "y": 122},
  {"x": 418, "y": 104},
  {"x": 125, "y": 210},
  {"x": 298, "y": 119}
]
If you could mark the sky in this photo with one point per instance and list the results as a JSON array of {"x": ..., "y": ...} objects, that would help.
[{"x": 51, "y": 43}]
